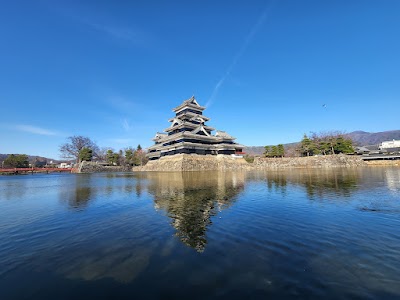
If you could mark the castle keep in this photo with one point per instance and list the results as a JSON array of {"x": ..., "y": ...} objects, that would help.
[{"x": 189, "y": 134}]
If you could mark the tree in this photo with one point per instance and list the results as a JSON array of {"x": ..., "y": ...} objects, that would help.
[
  {"x": 112, "y": 158},
  {"x": 101, "y": 154},
  {"x": 274, "y": 151},
  {"x": 16, "y": 161},
  {"x": 325, "y": 143},
  {"x": 75, "y": 145},
  {"x": 344, "y": 145},
  {"x": 281, "y": 150},
  {"x": 267, "y": 151},
  {"x": 129, "y": 156},
  {"x": 85, "y": 154},
  {"x": 121, "y": 158},
  {"x": 135, "y": 157},
  {"x": 307, "y": 146}
]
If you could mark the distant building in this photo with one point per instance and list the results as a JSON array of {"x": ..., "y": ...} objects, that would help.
[
  {"x": 390, "y": 146},
  {"x": 362, "y": 150},
  {"x": 64, "y": 166},
  {"x": 189, "y": 134}
]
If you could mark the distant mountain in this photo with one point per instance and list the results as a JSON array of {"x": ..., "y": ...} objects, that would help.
[
  {"x": 33, "y": 158},
  {"x": 360, "y": 138}
]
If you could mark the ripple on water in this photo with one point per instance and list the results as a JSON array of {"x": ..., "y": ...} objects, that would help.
[{"x": 309, "y": 234}]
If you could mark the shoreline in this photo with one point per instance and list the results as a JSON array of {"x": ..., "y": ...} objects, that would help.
[{"x": 194, "y": 162}]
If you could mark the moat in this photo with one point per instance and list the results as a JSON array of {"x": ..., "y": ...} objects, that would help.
[{"x": 305, "y": 234}]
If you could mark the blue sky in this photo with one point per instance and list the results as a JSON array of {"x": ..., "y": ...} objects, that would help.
[{"x": 268, "y": 71}]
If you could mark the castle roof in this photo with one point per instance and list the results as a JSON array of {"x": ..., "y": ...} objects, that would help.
[{"x": 191, "y": 102}]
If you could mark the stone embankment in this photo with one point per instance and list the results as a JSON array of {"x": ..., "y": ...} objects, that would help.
[
  {"x": 194, "y": 162},
  {"x": 386, "y": 163},
  {"x": 92, "y": 167},
  {"x": 325, "y": 161}
]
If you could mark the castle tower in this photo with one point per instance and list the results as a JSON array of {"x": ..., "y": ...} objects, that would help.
[{"x": 189, "y": 134}]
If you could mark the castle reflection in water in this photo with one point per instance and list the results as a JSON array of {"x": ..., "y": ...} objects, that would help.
[{"x": 190, "y": 199}]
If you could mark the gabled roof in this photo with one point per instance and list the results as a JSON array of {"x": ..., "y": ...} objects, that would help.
[
  {"x": 176, "y": 121},
  {"x": 200, "y": 128},
  {"x": 191, "y": 115},
  {"x": 159, "y": 136},
  {"x": 191, "y": 102},
  {"x": 223, "y": 135},
  {"x": 185, "y": 124}
]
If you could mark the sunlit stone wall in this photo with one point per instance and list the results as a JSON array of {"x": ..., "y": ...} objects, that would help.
[{"x": 323, "y": 161}]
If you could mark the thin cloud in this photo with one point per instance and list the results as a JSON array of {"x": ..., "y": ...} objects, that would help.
[
  {"x": 115, "y": 32},
  {"x": 126, "y": 125},
  {"x": 249, "y": 38},
  {"x": 120, "y": 103},
  {"x": 125, "y": 34},
  {"x": 35, "y": 130}
]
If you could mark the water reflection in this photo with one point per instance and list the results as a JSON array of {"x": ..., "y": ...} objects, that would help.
[
  {"x": 317, "y": 182},
  {"x": 273, "y": 242},
  {"x": 393, "y": 179},
  {"x": 12, "y": 187},
  {"x": 80, "y": 191},
  {"x": 190, "y": 199}
]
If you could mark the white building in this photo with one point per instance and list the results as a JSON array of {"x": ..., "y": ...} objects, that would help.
[
  {"x": 389, "y": 145},
  {"x": 64, "y": 166}
]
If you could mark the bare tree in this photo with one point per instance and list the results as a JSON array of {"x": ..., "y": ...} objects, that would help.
[
  {"x": 75, "y": 145},
  {"x": 102, "y": 153}
]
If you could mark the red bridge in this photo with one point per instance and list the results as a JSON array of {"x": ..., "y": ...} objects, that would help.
[{"x": 35, "y": 170}]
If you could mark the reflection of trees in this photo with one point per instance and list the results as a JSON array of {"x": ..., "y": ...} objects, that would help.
[
  {"x": 277, "y": 180},
  {"x": 191, "y": 198},
  {"x": 341, "y": 182},
  {"x": 78, "y": 195},
  {"x": 317, "y": 182}
]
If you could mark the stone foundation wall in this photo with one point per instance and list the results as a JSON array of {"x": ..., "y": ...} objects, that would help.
[
  {"x": 194, "y": 162},
  {"x": 325, "y": 161},
  {"x": 392, "y": 162},
  {"x": 92, "y": 167}
]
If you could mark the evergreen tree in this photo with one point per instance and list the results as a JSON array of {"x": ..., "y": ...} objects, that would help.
[
  {"x": 85, "y": 154},
  {"x": 344, "y": 145},
  {"x": 281, "y": 150},
  {"x": 112, "y": 158},
  {"x": 274, "y": 151},
  {"x": 16, "y": 161},
  {"x": 267, "y": 151},
  {"x": 307, "y": 146},
  {"x": 129, "y": 156}
]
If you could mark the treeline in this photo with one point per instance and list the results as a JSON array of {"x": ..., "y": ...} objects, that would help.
[
  {"x": 325, "y": 143},
  {"x": 274, "y": 151},
  {"x": 82, "y": 148}
]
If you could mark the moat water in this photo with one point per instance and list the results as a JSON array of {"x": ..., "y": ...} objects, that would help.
[{"x": 306, "y": 234}]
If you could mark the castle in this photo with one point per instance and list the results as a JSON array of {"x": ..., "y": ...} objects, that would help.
[{"x": 189, "y": 134}]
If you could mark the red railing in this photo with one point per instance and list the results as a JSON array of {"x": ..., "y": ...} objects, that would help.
[{"x": 36, "y": 170}]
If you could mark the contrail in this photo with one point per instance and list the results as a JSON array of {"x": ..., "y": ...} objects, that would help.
[{"x": 240, "y": 53}]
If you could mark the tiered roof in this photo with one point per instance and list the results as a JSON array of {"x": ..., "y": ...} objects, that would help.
[{"x": 188, "y": 133}]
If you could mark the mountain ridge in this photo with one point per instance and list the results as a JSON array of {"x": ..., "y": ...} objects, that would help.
[{"x": 359, "y": 138}]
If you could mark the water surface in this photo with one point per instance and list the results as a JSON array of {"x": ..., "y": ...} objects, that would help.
[{"x": 302, "y": 234}]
